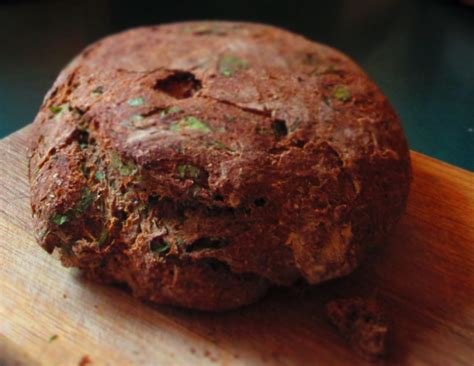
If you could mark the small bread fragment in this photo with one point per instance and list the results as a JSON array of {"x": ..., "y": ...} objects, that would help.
[{"x": 362, "y": 323}]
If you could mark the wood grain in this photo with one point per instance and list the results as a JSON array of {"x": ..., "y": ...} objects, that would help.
[{"x": 424, "y": 277}]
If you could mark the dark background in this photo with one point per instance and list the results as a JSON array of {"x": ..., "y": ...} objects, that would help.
[{"x": 420, "y": 52}]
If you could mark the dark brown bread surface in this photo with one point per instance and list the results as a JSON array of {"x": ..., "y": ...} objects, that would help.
[{"x": 202, "y": 162}]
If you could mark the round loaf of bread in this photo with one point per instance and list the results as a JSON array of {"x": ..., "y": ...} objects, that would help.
[{"x": 202, "y": 163}]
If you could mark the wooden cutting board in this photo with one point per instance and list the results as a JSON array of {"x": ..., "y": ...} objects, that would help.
[{"x": 424, "y": 277}]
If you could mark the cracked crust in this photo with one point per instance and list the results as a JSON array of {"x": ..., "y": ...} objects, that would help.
[{"x": 202, "y": 162}]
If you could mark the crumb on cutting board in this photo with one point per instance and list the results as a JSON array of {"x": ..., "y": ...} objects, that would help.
[
  {"x": 53, "y": 338},
  {"x": 362, "y": 323},
  {"x": 84, "y": 361}
]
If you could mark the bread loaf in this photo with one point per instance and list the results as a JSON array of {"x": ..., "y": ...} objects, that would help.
[{"x": 201, "y": 163}]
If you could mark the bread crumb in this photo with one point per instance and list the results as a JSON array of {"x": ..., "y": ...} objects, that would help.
[
  {"x": 85, "y": 360},
  {"x": 362, "y": 323},
  {"x": 53, "y": 338}
]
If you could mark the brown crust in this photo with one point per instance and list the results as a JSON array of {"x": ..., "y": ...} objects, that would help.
[{"x": 243, "y": 144}]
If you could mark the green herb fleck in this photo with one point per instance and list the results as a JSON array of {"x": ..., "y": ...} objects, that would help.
[
  {"x": 60, "y": 219},
  {"x": 169, "y": 111},
  {"x": 53, "y": 338},
  {"x": 164, "y": 248},
  {"x": 229, "y": 65},
  {"x": 188, "y": 171},
  {"x": 59, "y": 110},
  {"x": 83, "y": 145},
  {"x": 100, "y": 175},
  {"x": 98, "y": 91},
  {"x": 190, "y": 123},
  {"x": 180, "y": 242},
  {"x": 136, "y": 102},
  {"x": 55, "y": 109},
  {"x": 127, "y": 170},
  {"x": 104, "y": 236},
  {"x": 159, "y": 246},
  {"x": 342, "y": 94},
  {"x": 86, "y": 200},
  {"x": 124, "y": 169},
  {"x": 139, "y": 121}
]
